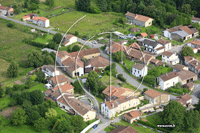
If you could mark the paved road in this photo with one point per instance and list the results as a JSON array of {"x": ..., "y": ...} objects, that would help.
[
  {"x": 30, "y": 25},
  {"x": 102, "y": 126},
  {"x": 195, "y": 94},
  {"x": 130, "y": 79}
]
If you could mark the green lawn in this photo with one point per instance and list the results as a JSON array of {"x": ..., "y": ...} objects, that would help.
[
  {"x": 44, "y": 40},
  {"x": 4, "y": 101},
  {"x": 20, "y": 129},
  {"x": 7, "y": 2},
  {"x": 154, "y": 119},
  {"x": 139, "y": 129},
  {"x": 39, "y": 86},
  {"x": 129, "y": 64}
]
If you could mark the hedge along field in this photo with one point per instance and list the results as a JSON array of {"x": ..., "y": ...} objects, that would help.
[
  {"x": 7, "y": 2},
  {"x": 92, "y": 23}
]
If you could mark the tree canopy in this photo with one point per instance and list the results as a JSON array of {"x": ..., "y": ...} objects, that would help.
[
  {"x": 18, "y": 117},
  {"x": 13, "y": 69},
  {"x": 119, "y": 56},
  {"x": 187, "y": 51},
  {"x": 57, "y": 38}
]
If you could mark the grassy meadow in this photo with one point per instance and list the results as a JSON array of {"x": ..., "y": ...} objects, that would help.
[{"x": 12, "y": 48}]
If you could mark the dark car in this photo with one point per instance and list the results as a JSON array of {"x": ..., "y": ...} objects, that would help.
[
  {"x": 95, "y": 126},
  {"x": 84, "y": 39}
]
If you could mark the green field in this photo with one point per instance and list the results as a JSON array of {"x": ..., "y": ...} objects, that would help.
[
  {"x": 129, "y": 64},
  {"x": 12, "y": 48},
  {"x": 7, "y": 2},
  {"x": 44, "y": 40},
  {"x": 92, "y": 24}
]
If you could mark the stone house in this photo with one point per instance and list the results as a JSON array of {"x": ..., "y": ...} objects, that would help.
[
  {"x": 96, "y": 63},
  {"x": 179, "y": 67},
  {"x": 185, "y": 100},
  {"x": 137, "y": 19},
  {"x": 116, "y": 92},
  {"x": 74, "y": 67},
  {"x": 132, "y": 116},
  {"x": 193, "y": 64},
  {"x": 58, "y": 80},
  {"x": 156, "y": 97},
  {"x": 76, "y": 107},
  {"x": 195, "y": 19},
  {"x": 153, "y": 46}
]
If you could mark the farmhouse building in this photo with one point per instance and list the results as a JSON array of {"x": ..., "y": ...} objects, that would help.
[{"x": 137, "y": 19}]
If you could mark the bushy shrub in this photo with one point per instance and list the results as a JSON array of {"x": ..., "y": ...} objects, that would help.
[{"x": 120, "y": 77}]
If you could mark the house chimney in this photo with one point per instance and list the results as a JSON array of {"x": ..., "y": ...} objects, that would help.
[
  {"x": 105, "y": 99},
  {"x": 136, "y": 16},
  {"x": 197, "y": 63},
  {"x": 113, "y": 105}
]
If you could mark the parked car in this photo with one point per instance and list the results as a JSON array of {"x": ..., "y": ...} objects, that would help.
[
  {"x": 94, "y": 42},
  {"x": 95, "y": 126},
  {"x": 84, "y": 39}
]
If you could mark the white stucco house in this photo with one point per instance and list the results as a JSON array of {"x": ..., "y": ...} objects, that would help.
[
  {"x": 153, "y": 46},
  {"x": 41, "y": 21},
  {"x": 168, "y": 80},
  {"x": 69, "y": 39},
  {"x": 165, "y": 43},
  {"x": 195, "y": 20},
  {"x": 139, "y": 70},
  {"x": 49, "y": 70},
  {"x": 170, "y": 58},
  {"x": 109, "y": 108}
]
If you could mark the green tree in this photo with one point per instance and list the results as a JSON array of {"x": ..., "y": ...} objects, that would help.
[
  {"x": 77, "y": 87},
  {"x": 41, "y": 124},
  {"x": 174, "y": 113},
  {"x": 35, "y": 59},
  {"x": 76, "y": 33},
  {"x": 33, "y": 6},
  {"x": 1, "y": 92},
  {"x": 18, "y": 117},
  {"x": 51, "y": 113},
  {"x": 40, "y": 77},
  {"x": 13, "y": 69},
  {"x": 57, "y": 38},
  {"x": 48, "y": 60},
  {"x": 8, "y": 90},
  {"x": 62, "y": 126},
  {"x": 33, "y": 115},
  {"x": 196, "y": 25},
  {"x": 192, "y": 120},
  {"x": 25, "y": 4},
  {"x": 187, "y": 51},
  {"x": 76, "y": 48},
  {"x": 92, "y": 82},
  {"x": 119, "y": 56},
  {"x": 78, "y": 123},
  {"x": 52, "y": 45},
  {"x": 186, "y": 8},
  {"x": 37, "y": 97},
  {"x": 82, "y": 5},
  {"x": 102, "y": 4},
  {"x": 84, "y": 59}
]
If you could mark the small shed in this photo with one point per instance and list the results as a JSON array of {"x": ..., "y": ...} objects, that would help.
[{"x": 151, "y": 36}]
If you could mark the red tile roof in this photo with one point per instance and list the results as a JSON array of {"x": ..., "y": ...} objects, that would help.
[
  {"x": 123, "y": 129},
  {"x": 153, "y": 94},
  {"x": 111, "y": 104},
  {"x": 98, "y": 62},
  {"x": 81, "y": 54},
  {"x": 40, "y": 18},
  {"x": 60, "y": 79},
  {"x": 138, "y": 17},
  {"x": 168, "y": 76}
]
